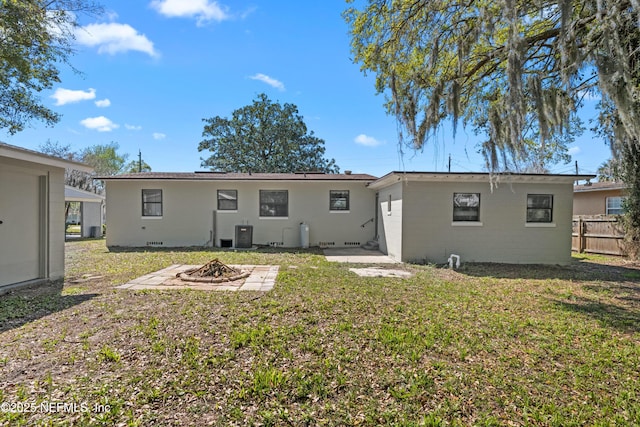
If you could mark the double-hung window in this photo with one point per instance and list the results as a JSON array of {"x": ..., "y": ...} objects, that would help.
[
  {"x": 151, "y": 202},
  {"x": 338, "y": 200},
  {"x": 274, "y": 203},
  {"x": 615, "y": 205},
  {"x": 540, "y": 208},
  {"x": 466, "y": 207},
  {"x": 227, "y": 200}
]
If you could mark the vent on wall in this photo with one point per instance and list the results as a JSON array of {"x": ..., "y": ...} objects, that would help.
[
  {"x": 352, "y": 243},
  {"x": 154, "y": 243},
  {"x": 325, "y": 244},
  {"x": 276, "y": 244}
]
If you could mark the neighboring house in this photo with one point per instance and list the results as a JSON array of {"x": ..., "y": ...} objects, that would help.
[
  {"x": 206, "y": 208},
  {"x": 416, "y": 216},
  {"x": 521, "y": 218},
  {"x": 91, "y": 212},
  {"x": 31, "y": 216},
  {"x": 598, "y": 198}
]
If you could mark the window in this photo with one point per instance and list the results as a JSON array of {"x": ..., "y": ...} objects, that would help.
[
  {"x": 339, "y": 200},
  {"x": 615, "y": 205},
  {"x": 227, "y": 200},
  {"x": 151, "y": 202},
  {"x": 539, "y": 207},
  {"x": 274, "y": 203},
  {"x": 466, "y": 206}
]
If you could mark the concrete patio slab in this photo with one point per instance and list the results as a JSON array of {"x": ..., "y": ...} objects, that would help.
[
  {"x": 358, "y": 256},
  {"x": 262, "y": 279},
  {"x": 381, "y": 272}
]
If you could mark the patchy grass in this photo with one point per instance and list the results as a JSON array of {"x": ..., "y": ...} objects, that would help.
[{"x": 486, "y": 345}]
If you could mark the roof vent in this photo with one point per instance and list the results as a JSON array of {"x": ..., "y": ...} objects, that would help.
[{"x": 347, "y": 172}]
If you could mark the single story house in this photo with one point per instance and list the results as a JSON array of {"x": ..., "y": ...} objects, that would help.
[
  {"x": 32, "y": 225},
  {"x": 598, "y": 198},
  {"x": 239, "y": 209},
  {"x": 506, "y": 218},
  {"x": 91, "y": 215},
  {"x": 414, "y": 216}
]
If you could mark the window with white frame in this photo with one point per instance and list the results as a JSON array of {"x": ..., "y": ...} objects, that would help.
[
  {"x": 274, "y": 203},
  {"x": 466, "y": 207},
  {"x": 539, "y": 207},
  {"x": 151, "y": 202},
  {"x": 615, "y": 205},
  {"x": 227, "y": 200},
  {"x": 339, "y": 200}
]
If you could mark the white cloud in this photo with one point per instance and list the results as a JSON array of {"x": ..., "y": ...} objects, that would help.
[
  {"x": 367, "y": 141},
  {"x": 158, "y": 136},
  {"x": 68, "y": 96},
  {"x": 132, "y": 127},
  {"x": 101, "y": 124},
  {"x": 114, "y": 38},
  {"x": 268, "y": 80},
  {"x": 103, "y": 103},
  {"x": 574, "y": 150},
  {"x": 203, "y": 10}
]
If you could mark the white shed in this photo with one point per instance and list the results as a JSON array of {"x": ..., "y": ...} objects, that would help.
[
  {"x": 91, "y": 210},
  {"x": 31, "y": 216}
]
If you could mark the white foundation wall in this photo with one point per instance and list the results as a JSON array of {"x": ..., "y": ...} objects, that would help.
[
  {"x": 502, "y": 235},
  {"x": 191, "y": 218}
]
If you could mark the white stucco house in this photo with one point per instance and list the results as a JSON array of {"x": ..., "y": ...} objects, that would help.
[
  {"x": 506, "y": 218},
  {"x": 414, "y": 216},
  {"x": 31, "y": 216},
  {"x": 206, "y": 208}
]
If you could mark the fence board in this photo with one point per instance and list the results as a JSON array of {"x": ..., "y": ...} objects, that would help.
[{"x": 598, "y": 234}]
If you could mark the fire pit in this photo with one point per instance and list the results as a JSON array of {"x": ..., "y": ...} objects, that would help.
[{"x": 213, "y": 272}]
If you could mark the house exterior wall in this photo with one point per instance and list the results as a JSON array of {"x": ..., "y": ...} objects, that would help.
[
  {"x": 91, "y": 217},
  {"x": 190, "y": 211},
  {"x": 593, "y": 202},
  {"x": 36, "y": 193},
  {"x": 390, "y": 221},
  {"x": 56, "y": 223},
  {"x": 502, "y": 234}
]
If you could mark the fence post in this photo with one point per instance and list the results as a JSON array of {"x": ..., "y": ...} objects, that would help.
[{"x": 581, "y": 239}]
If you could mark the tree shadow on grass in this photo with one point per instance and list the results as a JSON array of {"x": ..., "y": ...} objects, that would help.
[
  {"x": 577, "y": 270},
  {"x": 22, "y": 306},
  {"x": 611, "y": 292},
  {"x": 621, "y": 317}
]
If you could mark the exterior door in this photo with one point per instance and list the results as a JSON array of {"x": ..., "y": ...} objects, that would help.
[{"x": 19, "y": 227}]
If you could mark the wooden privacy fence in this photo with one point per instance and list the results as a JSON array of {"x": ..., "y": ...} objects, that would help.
[{"x": 598, "y": 234}]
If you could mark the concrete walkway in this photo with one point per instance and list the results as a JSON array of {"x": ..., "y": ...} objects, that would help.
[
  {"x": 262, "y": 278},
  {"x": 358, "y": 256}
]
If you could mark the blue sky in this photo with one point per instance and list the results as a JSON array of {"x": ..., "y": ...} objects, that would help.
[{"x": 153, "y": 69}]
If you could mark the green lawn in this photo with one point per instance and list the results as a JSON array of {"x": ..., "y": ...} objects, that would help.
[
  {"x": 486, "y": 345},
  {"x": 73, "y": 229}
]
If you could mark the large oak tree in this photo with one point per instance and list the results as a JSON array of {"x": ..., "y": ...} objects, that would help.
[
  {"x": 513, "y": 70},
  {"x": 263, "y": 137}
]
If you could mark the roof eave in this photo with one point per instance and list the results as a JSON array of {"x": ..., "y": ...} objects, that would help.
[
  {"x": 19, "y": 153},
  {"x": 506, "y": 178}
]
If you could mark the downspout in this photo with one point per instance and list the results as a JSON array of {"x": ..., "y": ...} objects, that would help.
[
  {"x": 375, "y": 236},
  {"x": 213, "y": 228}
]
